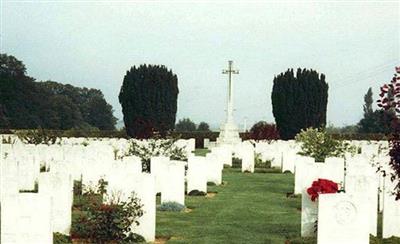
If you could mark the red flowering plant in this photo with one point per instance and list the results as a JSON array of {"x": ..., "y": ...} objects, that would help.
[
  {"x": 390, "y": 102},
  {"x": 322, "y": 186}
]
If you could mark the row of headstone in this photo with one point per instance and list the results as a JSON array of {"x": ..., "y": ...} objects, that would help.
[
  {"x": 335, "y": 215},
  {"x": 51, "y": 169},
  {"x": 283, "y": 154}
]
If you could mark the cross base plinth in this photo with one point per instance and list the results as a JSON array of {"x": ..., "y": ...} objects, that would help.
[{"x": 229, "y": 134}]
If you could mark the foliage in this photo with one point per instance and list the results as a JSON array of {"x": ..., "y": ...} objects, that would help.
[
  {"x": 185, "y": 124},
  {"x": 203, "y": 126},
  {"x": 26, "y": 104},
  {"x": 347, "y": 129},
  {"x": 320, "y": 145},
  {"x": 258, "y": 163},
  {"x": 299, "y": 101},
  {"x": 146, "y": 149},
  {"x": 59, "y": 238},
  {"x": 11, "y": 66},
  {"x": 38, "y": 136},
  {"x": 171, "y": 206},
  {"x": 134, "y": 238},
  {"x": 264, "y": 131},
  {"x": 197, "y": 193},
  {"x": 148, "y": 97},
  {"x": 377, "y": 121},
  {"x": 104, "y": 222},
  {"x": 390, "y": 102},
  {"x": 78, "y": 188}
]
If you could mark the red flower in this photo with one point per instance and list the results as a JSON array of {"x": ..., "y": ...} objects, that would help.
[{"x": 322, "y": 186}]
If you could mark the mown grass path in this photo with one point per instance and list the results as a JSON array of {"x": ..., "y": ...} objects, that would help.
[{"x": 248, "y": 208}]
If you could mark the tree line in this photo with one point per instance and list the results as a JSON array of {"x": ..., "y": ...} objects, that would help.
[
  {"x": 148, "y": 97},
  {"x": 28, "y": 104}
]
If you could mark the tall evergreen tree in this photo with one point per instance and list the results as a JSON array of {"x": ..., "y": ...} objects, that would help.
[
  {"x": 299, "y": 101},
  {"x": 148, "y": 98},
  {"x": 374, "y": 121},
  {"x": 368, "y": 102}
]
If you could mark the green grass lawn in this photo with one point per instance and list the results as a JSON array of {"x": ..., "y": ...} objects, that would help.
[
  {"x": 248, "y": 208},
  {"x": 201, "y": 151}
]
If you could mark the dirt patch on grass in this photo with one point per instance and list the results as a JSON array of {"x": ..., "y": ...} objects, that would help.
[
  {"x": 211, "y": 194},
  {"x": 161, "y": 239},
  {"x": 188, "y": 210}
]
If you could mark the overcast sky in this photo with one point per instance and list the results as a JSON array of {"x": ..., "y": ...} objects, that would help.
[{"x": 355, "y": 44}]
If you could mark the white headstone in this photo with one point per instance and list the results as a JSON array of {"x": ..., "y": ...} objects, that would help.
[
  {"x": 364, "y": 186},
  {"x": 391, "y": 211},
  {"x": 58, "y": 185},
  {"x": 309, "y": 215},
  {"x": 173, "y": 184},
  {"x": 158, "y": 168},
  {"x": 214, "y": 169},
  {"x": 26, "y": 218},
  {"x": 197, "y": 174},
  {"x": 146, "y": 192},
  {"x": 342, "y": 219}
]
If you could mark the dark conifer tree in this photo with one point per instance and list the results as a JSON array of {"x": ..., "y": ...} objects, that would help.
[
  {"x": 148, "y": 98},
  {"x": 299, "y": 101}
]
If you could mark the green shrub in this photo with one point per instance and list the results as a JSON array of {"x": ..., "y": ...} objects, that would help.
[
  {"x": 172, "y": 207},
  {"x": 156, "y": 147},
  {"x": 197, "y": 193},
  {"x": 105, "y": 222},
  {"x": 77, "y": 187},
  {"x": 38, "y": 136},
  {"x": 7, "y": 139},
  {"x": 59, "y": 238},
  {"x": 320, "y": 145},
  {"x": 133, "y": 238},
  {"x": 258, "y": 163},
  {"x": 81, "y": 225}
]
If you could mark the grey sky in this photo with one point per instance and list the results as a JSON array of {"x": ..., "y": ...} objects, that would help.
[{"x": 355, "y": 44}]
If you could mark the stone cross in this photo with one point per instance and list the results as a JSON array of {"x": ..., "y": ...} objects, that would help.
[{"x": 229, "y": 109}]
